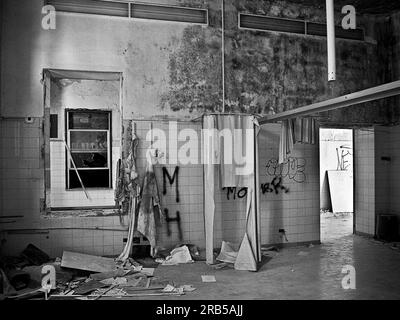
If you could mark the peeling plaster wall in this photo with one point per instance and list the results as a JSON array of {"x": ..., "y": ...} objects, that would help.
[
  {"x": 139, "y": 49},
  {"x": 174, "y": 69},
  {"x": 388, "y": 35},
  {"x": 269, "y": 72}
]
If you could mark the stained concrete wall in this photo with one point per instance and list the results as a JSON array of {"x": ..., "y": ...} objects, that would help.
[
  {"x": 269, "y": 72},
  {"x": 387, "y": 30},
  {"x": 172, "y": 67},
  {"x": 140, "y": 50}
]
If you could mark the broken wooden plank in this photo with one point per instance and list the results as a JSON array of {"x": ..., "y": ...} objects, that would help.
[
  {"x": 102, "y": 294},
  {"x": 87, "y": 262},
  {"x": 90, "y": 286},
  {"x": 136, "y": 289},
  {"x": 34, "y": 255},
  {"x": 109, "y": 274},
  {"x": 120, "y": 296}
]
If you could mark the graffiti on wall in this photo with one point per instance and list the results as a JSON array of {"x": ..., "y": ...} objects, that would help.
[
  {"x": 293, "y": 168},
  {"x": 343, "y": 154},
  {"x": 171, "y": 180},
  {"x": 177, "y": 218},
  {"x": 276, "y": 185},
  {"x": 237, "y": 193}
]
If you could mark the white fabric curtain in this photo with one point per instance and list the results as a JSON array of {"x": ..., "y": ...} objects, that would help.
[
  {"x": 210, "y": 156},
  {"x": 236, "y": 147},
  {"x": 299, "y": 130},
  {"x": 229, "y": 142}
]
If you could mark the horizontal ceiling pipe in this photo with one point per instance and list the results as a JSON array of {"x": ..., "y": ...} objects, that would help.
[{"x": 384, "y": 91}]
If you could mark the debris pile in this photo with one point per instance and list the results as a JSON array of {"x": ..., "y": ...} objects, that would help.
[{"x": 86, "y": 277}]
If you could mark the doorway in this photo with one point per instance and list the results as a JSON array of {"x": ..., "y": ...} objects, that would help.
[{"x": 336, "y": 183}]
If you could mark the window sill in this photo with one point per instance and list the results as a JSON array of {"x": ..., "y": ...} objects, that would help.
[
  {"x": 90, "y": 189},
  {"x": 95, "y": 212}
]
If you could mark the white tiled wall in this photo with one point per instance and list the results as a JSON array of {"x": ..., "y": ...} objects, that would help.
[
  {"x": 383, "y": 143},
  {"x": 383, "y": 170},
  {"x": 230, "y": 215},
  {"x": 394, "y": 170},
  {"x": 190, "y": 184},
  {"x": 298, "y": 210},
  {"x": 364, "y": 175},
  {"x": 74, "y": 234},
  {"x": 21, "y": 168}
]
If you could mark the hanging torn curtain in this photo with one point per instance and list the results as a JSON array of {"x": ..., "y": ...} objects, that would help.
[
  {"x": 232, "y": 147},
  {"x": 299, "y": 130},
  {"x": 127, "y": 189},
  {"x": 141, "y": 203},
  {"x": 149, "y": 207}
]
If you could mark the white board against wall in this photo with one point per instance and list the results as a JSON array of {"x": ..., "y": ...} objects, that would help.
[{"x": 341, "y": 190}]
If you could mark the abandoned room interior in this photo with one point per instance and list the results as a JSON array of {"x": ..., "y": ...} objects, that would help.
[{"x": 199, "y": 149}]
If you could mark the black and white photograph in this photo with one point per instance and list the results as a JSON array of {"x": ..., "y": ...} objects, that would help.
[{"x": 199, "y": 154}]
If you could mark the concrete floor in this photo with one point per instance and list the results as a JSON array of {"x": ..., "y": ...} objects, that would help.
[
  {"x": 299, "y": 273},
  {"x": 335, "y": 226}
]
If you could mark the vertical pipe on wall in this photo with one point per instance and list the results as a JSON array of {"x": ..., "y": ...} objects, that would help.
[
  {"x": 121, "y": 110},
  {"x": 330, "y": 25},
  {"x": 353, "y": 135},
  {"x": 257, "y": 191},
  {"x": 223, "y": 53},
  {"x": 1, "y": 37}
]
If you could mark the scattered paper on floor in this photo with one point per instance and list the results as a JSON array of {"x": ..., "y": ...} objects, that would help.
[
  {"x": 178, "y": 256},
  {"x": 207, "y": 278}
]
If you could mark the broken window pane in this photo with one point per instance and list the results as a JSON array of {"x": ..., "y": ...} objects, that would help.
[
  {"x": 89, "y": 120},
  {"x": 89, "y": 142}
]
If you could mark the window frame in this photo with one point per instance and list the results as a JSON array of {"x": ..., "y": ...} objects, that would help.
[{"x": 68, "y": 165}]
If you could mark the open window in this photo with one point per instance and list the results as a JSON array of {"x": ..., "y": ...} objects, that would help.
[
  {"x": 83, "y": 128},
  {"x": 88, "y": 135}
]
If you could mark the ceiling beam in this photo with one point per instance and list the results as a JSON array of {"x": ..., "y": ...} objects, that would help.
[{"x": 384, "y": 91}]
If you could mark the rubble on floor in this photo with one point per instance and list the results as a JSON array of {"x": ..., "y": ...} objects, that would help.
[
  {"x": 269, "y": 252},
  {"x": 87, "y": 277}
]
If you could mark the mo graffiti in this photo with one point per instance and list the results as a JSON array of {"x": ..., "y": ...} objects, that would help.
[{"x": 293, "y": 168}]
